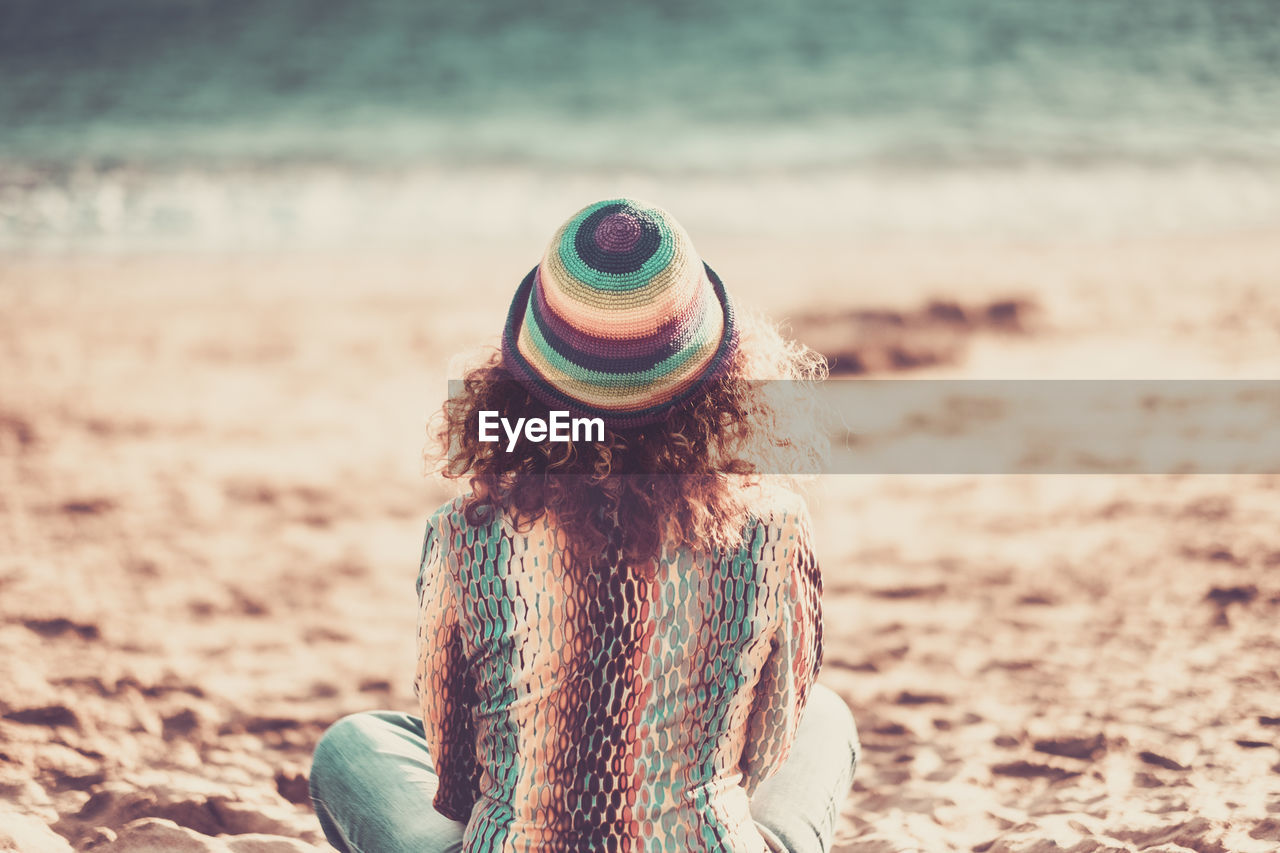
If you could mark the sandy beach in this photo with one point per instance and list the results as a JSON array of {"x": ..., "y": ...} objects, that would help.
[{"x": 212, "y": 497}]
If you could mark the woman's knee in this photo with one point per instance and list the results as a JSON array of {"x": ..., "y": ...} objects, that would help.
[
  {"x": 835, "y": 720},
  {"x": 341, "y": 744}
]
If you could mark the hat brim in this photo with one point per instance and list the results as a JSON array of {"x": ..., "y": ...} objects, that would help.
[{"x": 547, "y": 393}]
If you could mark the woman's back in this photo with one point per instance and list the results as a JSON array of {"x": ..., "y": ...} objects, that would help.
[
  {"x": 627, "y": 667},
  {"x": 615, "y": 708}
]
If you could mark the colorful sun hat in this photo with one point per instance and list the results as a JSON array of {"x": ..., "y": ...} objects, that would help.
[{"x": 621, "y": 320}]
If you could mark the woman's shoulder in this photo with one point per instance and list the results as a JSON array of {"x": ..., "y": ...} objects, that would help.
[
  {"x": 455, "y": 512},
  {"x": 778, "y": 506},
  {"x": 778, "y": 520},
  {"x": 449, "y": 531},
  {"x": 449, "y": 519},
  {"x": 455, "y": 518},
  {"x": 450, "y": 513}
]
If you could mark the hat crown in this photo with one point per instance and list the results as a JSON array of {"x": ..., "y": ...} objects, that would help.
[
  {"x": 621, "y": 319},
  {"x": 613, "y": 244},
  {"x": 619, "y": 262}
]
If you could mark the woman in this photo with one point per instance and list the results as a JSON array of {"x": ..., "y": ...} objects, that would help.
[{"x": 618, "y": 635}]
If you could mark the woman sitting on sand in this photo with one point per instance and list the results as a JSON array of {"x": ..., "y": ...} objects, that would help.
[{"x": 618, "y": 637}]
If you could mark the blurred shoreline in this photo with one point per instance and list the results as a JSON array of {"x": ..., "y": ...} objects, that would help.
[{"x": 298, "y": 208}]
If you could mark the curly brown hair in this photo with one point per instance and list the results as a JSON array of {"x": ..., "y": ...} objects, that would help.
[{"x": 682, "y": 481}]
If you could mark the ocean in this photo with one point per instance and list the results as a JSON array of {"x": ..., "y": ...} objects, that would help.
[{"x": 206, "y": 123}]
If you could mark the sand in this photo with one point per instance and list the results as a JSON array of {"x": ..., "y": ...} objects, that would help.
[{"x": 212, "y": 498}]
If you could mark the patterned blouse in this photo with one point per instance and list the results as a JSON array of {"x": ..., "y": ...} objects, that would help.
[{"x": 612, "y": 712}]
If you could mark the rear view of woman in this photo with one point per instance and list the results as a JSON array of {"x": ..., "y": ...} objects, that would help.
[{"x": 619, "y": 635}]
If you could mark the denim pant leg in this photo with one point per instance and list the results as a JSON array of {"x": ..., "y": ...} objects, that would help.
[
  {"x": 796, "y": 808},
  {"x": 372, "y": 783}
]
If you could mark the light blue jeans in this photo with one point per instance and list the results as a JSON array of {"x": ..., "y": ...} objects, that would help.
[{"x": 372, "y": 784}]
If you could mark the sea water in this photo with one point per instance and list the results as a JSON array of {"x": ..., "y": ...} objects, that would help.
[{"x": 225, "y": 122}]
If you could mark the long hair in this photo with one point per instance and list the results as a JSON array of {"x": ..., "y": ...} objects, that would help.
[{"x": 681, "y": 482}]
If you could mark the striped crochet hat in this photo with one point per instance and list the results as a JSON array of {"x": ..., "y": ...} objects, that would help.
[{"x": 621, "y": 320}]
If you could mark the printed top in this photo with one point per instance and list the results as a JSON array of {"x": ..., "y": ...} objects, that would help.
[{"x": 612, "y": 710}]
